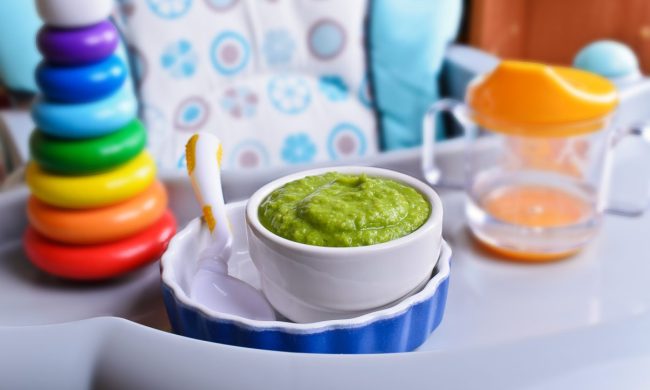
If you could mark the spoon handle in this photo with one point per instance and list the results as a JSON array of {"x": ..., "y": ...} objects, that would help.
[{"x": 203, "y": 153}]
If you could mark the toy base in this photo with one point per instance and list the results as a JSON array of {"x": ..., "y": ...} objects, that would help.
[{"x": 99, "y": 262}]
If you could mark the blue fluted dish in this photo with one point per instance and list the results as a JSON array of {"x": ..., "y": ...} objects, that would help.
[
  {"x": 83, "y": 83},
  {"x": 402, "y": 327},
  {"x": 86, "y": 120}
]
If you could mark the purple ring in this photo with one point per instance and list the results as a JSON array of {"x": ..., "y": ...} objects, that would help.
[{"x": 79, "y": 45}]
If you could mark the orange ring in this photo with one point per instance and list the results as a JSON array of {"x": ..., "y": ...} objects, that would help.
[{"x": 99, "y": 225}]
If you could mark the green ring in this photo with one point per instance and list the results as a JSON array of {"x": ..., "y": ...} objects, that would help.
[{"x": 90, "y": 155}]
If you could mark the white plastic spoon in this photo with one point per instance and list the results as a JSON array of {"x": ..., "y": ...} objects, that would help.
[{"x": 212, "y": 286}]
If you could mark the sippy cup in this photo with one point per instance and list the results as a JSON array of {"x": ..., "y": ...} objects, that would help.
[{"x": 538, "y": 191}]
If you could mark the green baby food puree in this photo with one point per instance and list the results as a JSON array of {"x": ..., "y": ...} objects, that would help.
[{"x": 343, "y": 210}]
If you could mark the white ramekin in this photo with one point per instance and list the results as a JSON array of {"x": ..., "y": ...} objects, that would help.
[{"x": 308, "y": 283}]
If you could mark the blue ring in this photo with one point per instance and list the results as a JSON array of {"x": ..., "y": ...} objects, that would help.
[
  {"x": 245, "y": 55},
  {"x": 86, "y": 120},
  {"x": 326, "y": 39},
  {"x": 86, "y": 83},
  {"x": 341, "y": 128}
]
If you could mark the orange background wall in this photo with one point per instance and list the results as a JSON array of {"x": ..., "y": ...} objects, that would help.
[{"x": 554, "y": 30}]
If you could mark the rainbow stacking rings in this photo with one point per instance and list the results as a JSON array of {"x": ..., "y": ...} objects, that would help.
[
  {"x": 73, "y": 13},
  {"x": 96, "y": 210},
  {"x": 78, "y": 46},
  {"x": 90, "y": 155},
  {"x": 102, "y": 189},
  {"x": 81, "y": 83},
  {"x": 86, "y": 120},
  {"x": 95, "y": 262}
]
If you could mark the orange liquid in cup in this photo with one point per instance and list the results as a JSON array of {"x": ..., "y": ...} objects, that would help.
[{"x": 536, "y": 206}]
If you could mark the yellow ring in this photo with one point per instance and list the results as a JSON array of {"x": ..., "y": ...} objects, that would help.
[{"x": 81, "y": 192}]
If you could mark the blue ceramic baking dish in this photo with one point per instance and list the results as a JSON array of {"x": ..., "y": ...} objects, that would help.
[{"x": 401, "y": 327}]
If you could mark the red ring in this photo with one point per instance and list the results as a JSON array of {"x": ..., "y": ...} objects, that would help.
[{"x": 96, "y": 262}]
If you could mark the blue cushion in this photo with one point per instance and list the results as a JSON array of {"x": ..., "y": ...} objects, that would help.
[
  {"x": 19, "y": 23},
  {"x": 407, "y": 44}
]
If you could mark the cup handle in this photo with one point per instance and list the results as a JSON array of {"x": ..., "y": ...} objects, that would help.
[
  {"x": 642, "y": 133},
  {"x": 430, "y": 169}
]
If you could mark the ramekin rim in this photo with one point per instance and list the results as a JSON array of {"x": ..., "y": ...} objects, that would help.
[{"x": 434, "y": 219}]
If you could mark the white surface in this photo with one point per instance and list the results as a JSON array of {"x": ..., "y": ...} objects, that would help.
[
  {"x": 308, "y": 283},
  {"x": 505, "y": 302},
  {"x": 599, "y": 357},
  {"x": 582, "y": 322}
]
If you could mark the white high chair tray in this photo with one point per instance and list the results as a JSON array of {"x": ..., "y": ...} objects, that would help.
[{"x": 579, "y": 323}]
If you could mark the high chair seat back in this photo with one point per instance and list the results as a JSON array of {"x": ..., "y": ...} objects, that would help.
[{"x": 279, "y": 81}]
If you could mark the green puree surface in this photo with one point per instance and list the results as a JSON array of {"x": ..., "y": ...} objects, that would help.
[{"x": 343, "y": 210}]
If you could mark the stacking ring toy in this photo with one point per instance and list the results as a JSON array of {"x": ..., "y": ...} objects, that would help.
[
  {"x": 84, "y": 83},
  {"x": 86, "y": 120},
  {"x": 103, "y": 189},
  {"x": 101, "y": 225},
  {"x": 95, "y": 262},
  {"x": 78, "y": 46},
  {"x": 89, "y": 155},
  {"x": 73, "y": 13}
]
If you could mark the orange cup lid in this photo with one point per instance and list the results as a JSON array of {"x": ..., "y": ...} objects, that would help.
[{"x": 531, "y": 99}]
